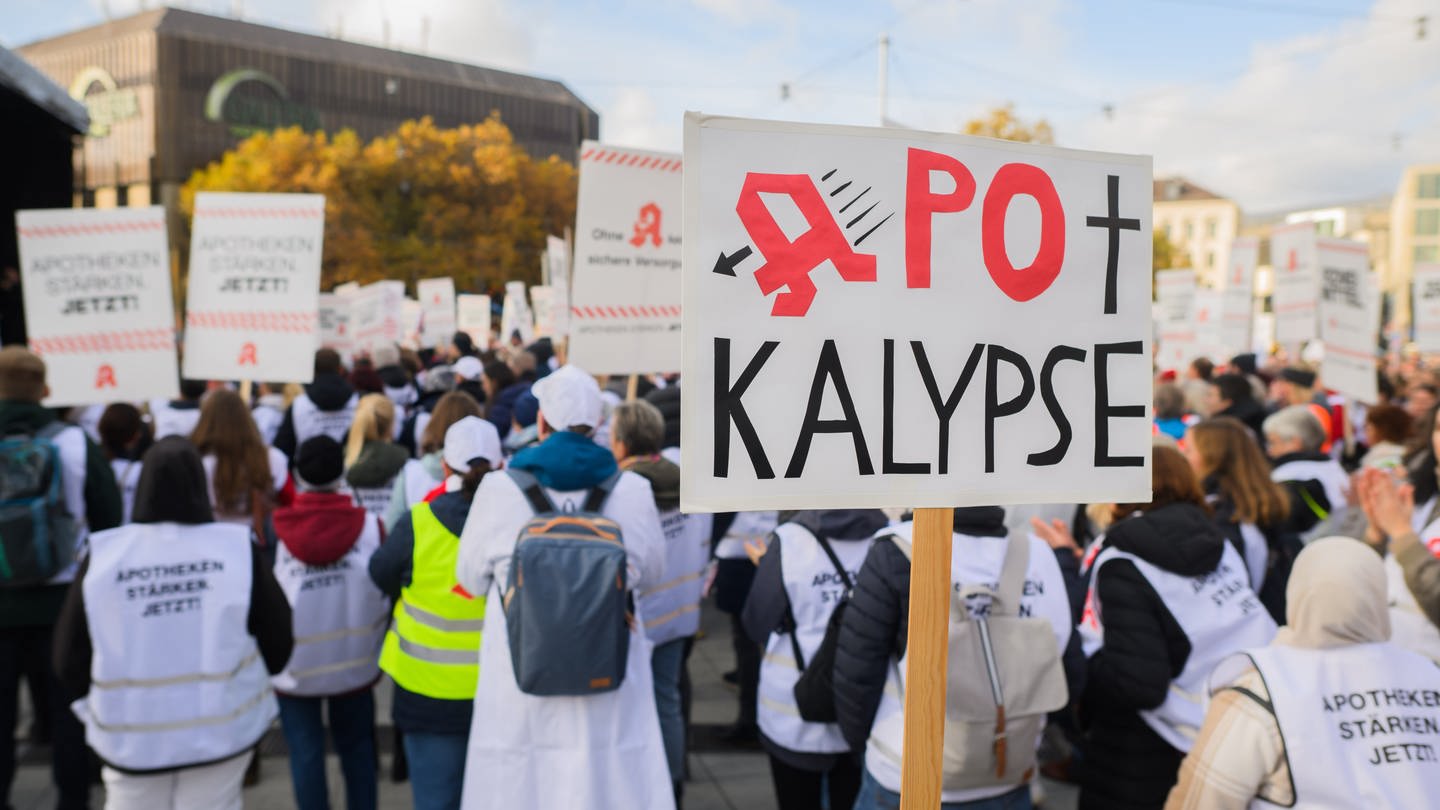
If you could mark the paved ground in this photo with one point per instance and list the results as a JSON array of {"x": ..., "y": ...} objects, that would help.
[{"x": 720, "y": 779}]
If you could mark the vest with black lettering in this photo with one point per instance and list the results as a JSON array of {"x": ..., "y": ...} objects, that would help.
[
  {"x": 1218, "y": 612},
  {"x": 176, "y": 678},
  {"x": 814, "y": 588},
  {"x": 339, "y": 618},
  {"x": 1409, "y": 626},
  {"x": 310, "y": 421},
  {"x": 671, "y": 609},
  {"x": 1360, "y": 723},
  {"x": 375, "y": 500},
  {"x": 433, "y": 647}
]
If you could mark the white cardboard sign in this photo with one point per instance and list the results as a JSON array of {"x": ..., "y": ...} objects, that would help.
[
  {"x": 1175, "y": 297},
  {"x": 1208, "y": 323},
  {"x": 96, "y": 287},
  {"x": 1296, "y": 298},
  {"x": 625, "y": 307},
  {"x": 411, "y": 314},
  {"x": 252, "y": 311},
  {"x": 515, "y": 315},
  {"x": 375, "y": 316},
  {"x": 335, "y": 331},
  {"x": 1349, "y": 318},
  {"x": 899, "y": 318},
  {"x": 472, "y": 316},
  {"x": 437, "y": 302},
  {"x": 1238, "y": 299},
  {"x": 542, "y": 302},
  {"x": 1426, "y": 300}
]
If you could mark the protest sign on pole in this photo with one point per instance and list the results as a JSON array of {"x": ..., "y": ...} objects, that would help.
[
  {"x": 1426, "y": 302},
  {"x": 542, "y": 303},
  {"x": 437, "y": 300},
  {"x": 1175, "y": 296},
  {"x": 1208, "y": 323},
  {"x": 1297, "y": 283},
  {"x": 1349, "y": 318},
  {"x": 472, "y": 316},
  {"x": 840, "y": 353},
  {"x": 412, "y": 316},
  {"x": 252, "y": 312},
  {"x": 1237, "y": 306},
  {"x": 335, "y": 332},
  {"x": 557, "y": 260},
  {"x": 625, "y": 287},
  {"x": 515, "y": 315},
  {"x": 375, "y": 316},
  {"x": 97, "y": 303}
]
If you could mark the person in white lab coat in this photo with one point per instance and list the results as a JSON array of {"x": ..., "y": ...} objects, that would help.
[{"x": 597, "y": 751}]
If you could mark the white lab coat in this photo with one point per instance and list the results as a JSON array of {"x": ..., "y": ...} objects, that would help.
[{"x": 597, "y": 751}]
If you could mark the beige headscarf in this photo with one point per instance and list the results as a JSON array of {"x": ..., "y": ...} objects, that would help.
[{"x": 1336, "y": 596}]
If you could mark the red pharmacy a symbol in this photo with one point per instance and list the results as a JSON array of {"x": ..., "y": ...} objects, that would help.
[
  {"x": 105, "y": 377},
  {"x": 647, "y": 226},
  {"x": 247, "y": 355}
]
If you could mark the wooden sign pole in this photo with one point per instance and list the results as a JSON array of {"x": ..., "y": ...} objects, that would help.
[
  {"x": 631, "y": 386},
  {"x": 927, "y": 653}
]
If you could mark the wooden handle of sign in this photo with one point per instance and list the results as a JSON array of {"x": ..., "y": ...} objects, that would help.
[
  {"x": 247, "y": 388},
  {"x": 927, "y": 654},
  {"x": 631, "y": 386}
]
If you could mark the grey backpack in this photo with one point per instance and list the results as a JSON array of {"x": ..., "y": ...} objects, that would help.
[{"x": 567, "y": 602}]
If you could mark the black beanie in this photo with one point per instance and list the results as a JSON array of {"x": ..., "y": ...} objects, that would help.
[
  {"x": 1298, "y": 376},
  {"x": 319, "y": 463}
]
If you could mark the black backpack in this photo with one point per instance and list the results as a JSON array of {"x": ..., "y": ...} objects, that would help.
[{"x": 815, "y": 691}]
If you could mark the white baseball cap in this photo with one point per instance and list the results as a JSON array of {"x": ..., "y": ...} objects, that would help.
[
  {"x": 468, "y": 368},
  {"x": 569, "y": 397},
  {"x": 468, "y": 440}
]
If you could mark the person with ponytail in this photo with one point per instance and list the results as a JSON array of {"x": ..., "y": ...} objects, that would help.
[{"x": 372, "y": 460}]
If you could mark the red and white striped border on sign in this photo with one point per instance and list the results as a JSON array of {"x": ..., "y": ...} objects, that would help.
[
  {"x": 295, "y": 322},
  {"x": 134, "y": 340},
  {"x": 97, "y": 229},
  {"x": 271, "y": 213},
  {"x": 625, "y": 312},
  {"x": 618, "y": 158}
]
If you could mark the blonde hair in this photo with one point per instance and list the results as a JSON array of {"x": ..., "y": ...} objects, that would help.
[{"x": 374, "y": 420}]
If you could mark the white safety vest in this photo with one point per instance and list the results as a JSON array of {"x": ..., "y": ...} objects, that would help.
[
  {"x": 973, "y": 561},
  {"x": 1330, "y": 474},
  {"x": 814, "y": 588},
  {"x": 309, "y": 421},
  {"x": 1410, "y": 628},
  {"x": 176, "y": 679},
  {"x": 1359, "y": 723},
  {"x": 671, "y": 609},
  {"x": 340, "y": 619},
  {"x": 1218, "y": 612},
  {"x": 751, "y": 526},
  {"x": 374, "y": 500},
  {"x": 172, "y": 421},
  {"x": 269, "y": 415}
]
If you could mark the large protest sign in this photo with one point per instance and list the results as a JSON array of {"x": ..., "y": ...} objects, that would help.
[
  {"x": 889, "y": 318},
  {"x": 1296, "y": 298},
  {"x": 625, "y": 290},
  {"x": 1349, "y": 318},
  {"x": 335, "y": 332},
  {"x": 516, "y": 317},
  {"x": 252, "y": 312},
  {"x": 1238, "y": 299},
  {"x": 375, "y": 315},
  {"x": 437, "y": 302},
  {"x": 1426, "y": 302},
  {"x": 1175, "y": 296},
  {"x": 472, "y": 316},
  {"x": 97, "y": 302}
]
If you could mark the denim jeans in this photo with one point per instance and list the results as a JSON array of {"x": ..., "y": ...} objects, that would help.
[
  {"x": 666, "y": 661},
  {"x": 352, "y": 730},
  {"x": 437, "y": 769},
  {"x": 874, "y": 797}
]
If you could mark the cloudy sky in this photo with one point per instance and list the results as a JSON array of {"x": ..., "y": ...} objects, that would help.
[{"x": 1276, "y": 103}]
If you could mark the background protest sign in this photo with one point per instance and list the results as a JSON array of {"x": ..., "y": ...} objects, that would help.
[
  {"x": 411, "y": 315},
  {"x": 97, "y": 303},
  {"x": 437, "y": 321},
  {"x": 1426, "y": 299},
  {"x": 557, "y": 260},
  {"x": 1296, "y": 298},
  {"x": 1208, "y": 303},
  {"x": 911, "y": 319},
  {"x": 375, "y": 315},
  {"x": 252, "y": 312},
  {"x": 1175, "y": 296},
  {"x": 1349, "y": 318},
  {"x": 515, "y": 315},
  {"x": 625, "y": 290},
  {"x": 542, "y": 302},
  {"x": 1237, "y": 302},
  {"x": 335, "y": 330},
  {"x": 472, "y": 316}
]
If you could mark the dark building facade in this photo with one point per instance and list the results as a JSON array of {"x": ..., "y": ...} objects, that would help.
[{"x": 169, "y": 91}]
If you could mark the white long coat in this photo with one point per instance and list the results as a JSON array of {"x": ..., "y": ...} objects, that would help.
[{"x": 600, "y": 752}]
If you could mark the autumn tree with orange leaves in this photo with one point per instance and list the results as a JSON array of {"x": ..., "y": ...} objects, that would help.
[{"x": 418, "y": 203}]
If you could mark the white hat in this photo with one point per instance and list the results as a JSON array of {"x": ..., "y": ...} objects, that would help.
[
  {"x": 470, "y": 439},
  {"x": 468, "y": 368},
  {"x": 569, "y": 397}
]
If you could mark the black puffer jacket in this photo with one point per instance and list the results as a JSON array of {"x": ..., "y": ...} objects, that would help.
[
  {"x": 667, "y": 400},
  {"x": 1128, "y": 766}
]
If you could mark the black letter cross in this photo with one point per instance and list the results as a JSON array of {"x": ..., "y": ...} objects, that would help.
[{"x": 1114, "y": 224}]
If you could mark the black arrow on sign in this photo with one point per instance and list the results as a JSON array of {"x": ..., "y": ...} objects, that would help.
[{"x": 725, "y": 265}]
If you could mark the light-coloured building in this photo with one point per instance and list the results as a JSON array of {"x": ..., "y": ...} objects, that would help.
[
  {"x": 1414, "y": 231},
  {"x": 1199, "y": 222}
]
